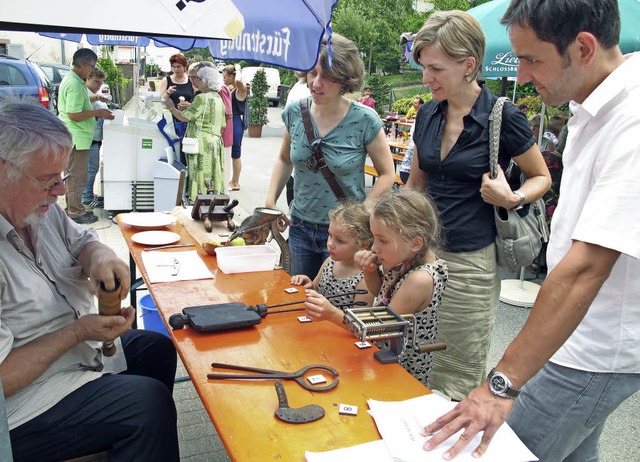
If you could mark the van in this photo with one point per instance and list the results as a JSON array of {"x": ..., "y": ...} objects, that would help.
[{"x": 273, "y": 80}]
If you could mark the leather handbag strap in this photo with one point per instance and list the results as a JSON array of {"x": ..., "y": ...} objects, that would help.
[
  {"x": 495, "y": 125},
  {"x": 316, "y": 152}
]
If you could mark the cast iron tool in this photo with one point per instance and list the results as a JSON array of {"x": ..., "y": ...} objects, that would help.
[
  {"x": 308, "y": 413},
  {"x": 267, "y": 374}
]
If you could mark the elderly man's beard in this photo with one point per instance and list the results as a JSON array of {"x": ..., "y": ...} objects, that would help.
[{"x": 37, "y": 217}]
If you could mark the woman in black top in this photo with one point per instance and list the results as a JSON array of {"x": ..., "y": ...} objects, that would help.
[
  {"x": 177, "y": 87},
  {"x": 238, "y": 100},
  {"x": 451, "y": 164}
]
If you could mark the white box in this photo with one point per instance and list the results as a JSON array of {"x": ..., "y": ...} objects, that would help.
[{"x": 246, "y": 258}]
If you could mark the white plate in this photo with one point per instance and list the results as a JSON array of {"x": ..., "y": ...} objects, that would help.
[
  {"x": 147, "y": 221},
  {"x": 155, "y": 238}
]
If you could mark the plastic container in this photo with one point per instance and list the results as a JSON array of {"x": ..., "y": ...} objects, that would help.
[
  {"x": 150, "y": 316},
  {"x": 246, "y": 258}
]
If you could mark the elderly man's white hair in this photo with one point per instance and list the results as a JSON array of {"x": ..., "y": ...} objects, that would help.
[{"x": 211, "y": 77}]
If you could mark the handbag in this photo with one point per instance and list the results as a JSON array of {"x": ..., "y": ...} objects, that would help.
[
  {"x": 192, "y": 145},
  {"x": 520, "y": 232},
  {"x": 316, "y": 161}
]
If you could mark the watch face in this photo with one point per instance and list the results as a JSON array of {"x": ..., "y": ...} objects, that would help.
[{"x": 498, "y": 383}]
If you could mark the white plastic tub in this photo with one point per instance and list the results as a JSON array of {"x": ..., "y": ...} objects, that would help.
[{"x": 246, "y": 259}]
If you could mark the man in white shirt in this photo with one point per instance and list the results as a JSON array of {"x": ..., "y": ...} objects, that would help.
[{"x": 578, "y": 352}]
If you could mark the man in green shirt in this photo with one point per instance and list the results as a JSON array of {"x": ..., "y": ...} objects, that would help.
[{"x": 79, "y": 116}]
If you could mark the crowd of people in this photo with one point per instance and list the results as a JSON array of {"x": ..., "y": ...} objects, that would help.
[{"x": 426, "y": 248}]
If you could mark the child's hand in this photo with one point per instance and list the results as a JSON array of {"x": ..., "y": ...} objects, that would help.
[
  {"x": 301, "y": 280},
  {"x": 366, "y": 261},
  {"x": 319, "y": 308}
]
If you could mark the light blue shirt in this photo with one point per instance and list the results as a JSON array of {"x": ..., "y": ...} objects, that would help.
[{"x": 344, "y": 149}]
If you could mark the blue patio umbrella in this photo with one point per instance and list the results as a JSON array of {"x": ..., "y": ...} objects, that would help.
[
  {"x": 499, "y": 60},
  {"x": 284, "y": 33},
  {"x": 289, "y": 38}
]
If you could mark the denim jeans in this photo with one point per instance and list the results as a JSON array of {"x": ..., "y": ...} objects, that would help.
[
  {"x": 308, "y": 245},
  {"x": 131, "y": 414},
  {"x": 561, "y": 411},
  {"x": 92, "y": 170}
]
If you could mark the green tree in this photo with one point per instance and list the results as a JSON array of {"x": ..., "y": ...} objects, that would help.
[
  {"x": 258, "y": 101},
  {"x": 115, "y": 78},
  {"x": 375, "y": 32}
]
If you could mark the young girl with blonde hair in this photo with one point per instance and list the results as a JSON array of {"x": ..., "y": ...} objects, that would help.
[
  {"x": 403, "y": 269},
  {"x": 348, "y": 233}
]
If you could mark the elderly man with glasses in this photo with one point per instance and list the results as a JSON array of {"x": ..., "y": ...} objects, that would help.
[
  {"x": 64, "y": 398},
  {"x": 79, "y": 116}
]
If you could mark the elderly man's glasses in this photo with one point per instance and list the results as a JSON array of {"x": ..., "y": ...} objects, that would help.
[{"x": 52, "y": 184}]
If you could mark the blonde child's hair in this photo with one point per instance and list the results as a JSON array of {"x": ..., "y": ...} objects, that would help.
[
  {"x": 355, "y": 218},
  {"x": 411, "y": 214}
]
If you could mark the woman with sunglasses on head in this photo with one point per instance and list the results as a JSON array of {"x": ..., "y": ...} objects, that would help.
[{"x": 346, "y": 133}]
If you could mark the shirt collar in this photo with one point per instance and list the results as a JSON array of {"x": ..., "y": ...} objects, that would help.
[
  {"x": 611, "y": 87},
  {"x": 481, "y": 108}
]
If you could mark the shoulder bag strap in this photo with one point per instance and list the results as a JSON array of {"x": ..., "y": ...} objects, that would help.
[
  {"x": 495, "y": 125},
  {"x": 316, "y": 152}
]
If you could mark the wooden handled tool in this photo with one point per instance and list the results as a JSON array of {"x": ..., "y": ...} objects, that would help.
[{"x": 109, "y": 305}]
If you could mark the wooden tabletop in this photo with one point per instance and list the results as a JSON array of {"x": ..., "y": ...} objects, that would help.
[{"x": 243, "y": 411}]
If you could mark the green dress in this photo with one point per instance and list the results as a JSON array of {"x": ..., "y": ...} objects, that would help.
[{"x": 206, "y": 121}]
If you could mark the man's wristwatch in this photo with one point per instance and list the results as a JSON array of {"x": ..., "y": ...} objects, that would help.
[
  {"x": 500, "y": 385},
  {"x": 522, "y": 199}
]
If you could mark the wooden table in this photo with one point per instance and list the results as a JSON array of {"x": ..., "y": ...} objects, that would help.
[{"x": 243, "y": 412}]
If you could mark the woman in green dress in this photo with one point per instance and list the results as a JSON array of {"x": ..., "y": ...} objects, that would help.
[{"x": 206, "y": 117}]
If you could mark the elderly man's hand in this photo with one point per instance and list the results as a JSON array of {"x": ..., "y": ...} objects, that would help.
[
  {"x": 94, "y": 327},
  {"x": 482, "y": 411},
  {"x": 103, "y": 265}
]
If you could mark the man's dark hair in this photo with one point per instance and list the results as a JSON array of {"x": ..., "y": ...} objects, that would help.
[
  {"x": 420, "y": 100},
  {"x": 559, "y": 21},
  {"x": 84, "y": 56}
]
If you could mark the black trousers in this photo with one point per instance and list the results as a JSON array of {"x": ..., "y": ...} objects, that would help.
[{"x": 132, "y": 414}]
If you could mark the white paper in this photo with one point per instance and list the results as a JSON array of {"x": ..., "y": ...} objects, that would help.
[
  {"x": 400, "y": 424},
  {"x": 166, "y": 266},
  {"x": 375, "y": 451}
]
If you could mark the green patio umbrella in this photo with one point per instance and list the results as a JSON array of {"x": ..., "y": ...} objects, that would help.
[{"x": 499, "y": 60}]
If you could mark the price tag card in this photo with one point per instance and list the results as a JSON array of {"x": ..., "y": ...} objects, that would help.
[
  {"x": 291, "y": 290},
  {"x": 363, "y": 345},
  {"x": 348, "y": 409},
  {"x": 316, "y": 379},
  {"x": 304, "y": 319}
]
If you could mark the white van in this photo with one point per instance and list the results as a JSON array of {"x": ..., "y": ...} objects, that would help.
[{"x": 273, "y": 80}]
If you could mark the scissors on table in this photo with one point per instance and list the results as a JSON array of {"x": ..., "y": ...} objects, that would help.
[{"x": 266, "y": 374}]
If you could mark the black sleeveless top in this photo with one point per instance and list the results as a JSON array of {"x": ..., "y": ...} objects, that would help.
[
  {"x": 237, "y": 106},
  {"x": 182, "y": 89}
]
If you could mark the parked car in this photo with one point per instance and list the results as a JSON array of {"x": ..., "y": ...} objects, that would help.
[
  {"x": 24, "y": 77},
  {"x": 55, "y": 72},
  {"x": 273, "y": 80}
]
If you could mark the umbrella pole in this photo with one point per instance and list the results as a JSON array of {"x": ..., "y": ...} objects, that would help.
[{"x": 519, "y": 292}]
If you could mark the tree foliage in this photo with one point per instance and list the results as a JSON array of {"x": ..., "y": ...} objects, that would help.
[
  {"x": 258, "y": 101},
  {"x": 376, "y": 25}
]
